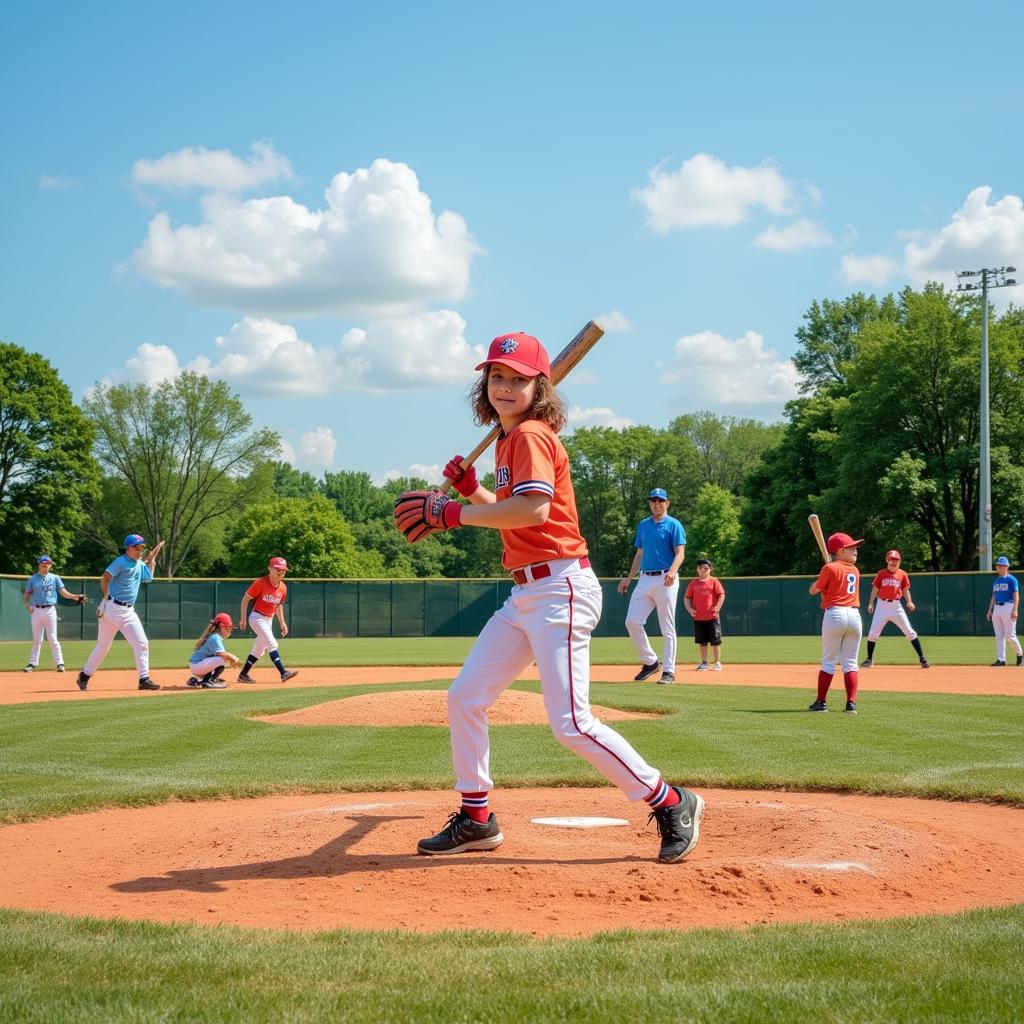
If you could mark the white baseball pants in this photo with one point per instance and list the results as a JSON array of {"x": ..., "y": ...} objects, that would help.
[
  {"x": 45, "y": 620},
  {"x": 890, "y": 611},
  {"x": 650, "y": 593},
  {"x": 207, "y": 665},
  {"x": 1005, "y": 629},
  {"x": 548, "y": 621},
  {"x": 263, "y": 627},
  {"x": 841, "y": 631},
  {"x": 119, "y": 619}
]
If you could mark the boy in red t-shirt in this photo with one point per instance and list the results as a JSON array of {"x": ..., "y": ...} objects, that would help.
[
  {"x": 268, "y": 594},
  {"x": 703, "y": 599}
]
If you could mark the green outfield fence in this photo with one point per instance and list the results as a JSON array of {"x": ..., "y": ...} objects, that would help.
[{"x": 948, "y": 604}]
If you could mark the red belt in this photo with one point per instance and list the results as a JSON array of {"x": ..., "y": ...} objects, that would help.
[{"x": 541, "y": 571}]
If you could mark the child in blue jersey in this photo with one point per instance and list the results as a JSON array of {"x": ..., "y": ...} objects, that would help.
[
  {"x": 1002, "y": 612},
  {"x": 40, "y": 600},
  {"x": 209, "y": 658}
]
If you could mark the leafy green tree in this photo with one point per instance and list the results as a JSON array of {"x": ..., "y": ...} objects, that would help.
[
  {"x": 186, "y": 450},
  {"x": 714, "y": 528},
  {"x": 726, "y": 447},
  {"x": 309, "y": 532},
  {"x": 47, "y": 471},
  {"x": 356, "y": 497},
  {"x": 290, "y": 482}
]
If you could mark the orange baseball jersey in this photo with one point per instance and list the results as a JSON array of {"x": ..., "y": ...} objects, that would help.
[
  {"x": 266, "y": 597},
  {"x": 528, "y": 460},
  {"x": 839, "y": 583},
  {"x": 890, "y": 585}
]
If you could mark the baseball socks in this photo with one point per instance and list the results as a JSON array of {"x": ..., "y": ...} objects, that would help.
[
  {"x": 249, "y": 662},
  {"x": 850, "y": 681},
  {"x": 275, "y": 657},
  {"x": 474, "y": 805},
  {"x": 871, "y": 650},
  {"x": 824, "y": 682},
  {"x": 663, "y": 797}
]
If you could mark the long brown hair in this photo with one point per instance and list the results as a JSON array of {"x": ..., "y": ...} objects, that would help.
[
  {"x": 548, "y": 405},
  {"x": 209, "y": 629}
]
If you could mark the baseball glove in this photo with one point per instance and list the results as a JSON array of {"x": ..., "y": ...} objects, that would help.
[
  {"x": 81, "y": 598},
  {"x": 418, "y": 514}
]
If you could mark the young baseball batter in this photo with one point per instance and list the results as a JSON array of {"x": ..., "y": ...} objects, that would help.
[
  {"x": 704, "y": 598},
  {"x": 209, "y": 656},
  {"x": 889, "y": 585},
  {"x": 1002, "y": 612},
  {"x": 116, "y": 612},
  {"x": 267, "y": 594},
  {"x": 550, "y": 614},
  {"x": 841, "y": 628},
  {"x": 40, "y": 600}
]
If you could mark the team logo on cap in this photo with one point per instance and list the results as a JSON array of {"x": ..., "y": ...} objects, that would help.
[{"x": 508, "y": 346}]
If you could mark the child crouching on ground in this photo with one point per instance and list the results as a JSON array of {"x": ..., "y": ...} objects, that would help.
[{"x": 209, "y": 658}]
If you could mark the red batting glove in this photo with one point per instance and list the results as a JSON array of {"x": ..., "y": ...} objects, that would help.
[{"x": 463, "y": 478}]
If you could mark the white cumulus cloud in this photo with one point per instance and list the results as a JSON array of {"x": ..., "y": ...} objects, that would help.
[
  {"x": 597, "y": 417},
  {"x": 869, "y": 270},
  {"x": 614, "y": 322},
  {"x": 707, "y": 192},
  {"x": 216, "y": 170},
  {"x": 375, "y": 249},
  {"x": 318, "y": 447},
  {"x": 801, "y": 234},
  {"x": 733, "y": 372},
  {"x": 55, "y": 182}
]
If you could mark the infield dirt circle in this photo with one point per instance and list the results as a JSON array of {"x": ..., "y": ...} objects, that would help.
[{"x": 312, "y": 862}]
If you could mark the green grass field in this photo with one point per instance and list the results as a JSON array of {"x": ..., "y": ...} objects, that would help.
[{"x": 67, "y": 756}]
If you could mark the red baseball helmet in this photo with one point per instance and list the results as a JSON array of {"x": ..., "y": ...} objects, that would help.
[
  {"x": 223, "y": 619},
  {"x": 277, "y": 563}
]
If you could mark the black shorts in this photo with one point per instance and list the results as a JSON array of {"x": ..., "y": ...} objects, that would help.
[{"x": 707, "y": 631}]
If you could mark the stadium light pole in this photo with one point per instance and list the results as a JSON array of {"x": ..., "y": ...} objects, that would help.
[{"x": 990, "y": 277}]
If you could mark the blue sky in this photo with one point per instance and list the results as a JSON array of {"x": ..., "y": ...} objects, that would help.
[{"x": 333, "y": 207}]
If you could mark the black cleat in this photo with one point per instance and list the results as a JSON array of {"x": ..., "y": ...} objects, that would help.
[
  {"x": 866, "y": 663},
  {"x": 851, "y": 707},
  {"x": 924, "y": 663},
  {"x": 818, "y": 705},
  {"x": 83, "y": 680},
  {"x": 646, "y": 671},
  {"x": 998, "y": 664},
  {"x": 679, "y": 826},
  {"x": 29, "y": 668},
  {"x": 244, "y": 677},
  {"x": 145, "y": 683},
  {"x": 667, "y": 678},
  {"x": 1020, "y": 660},
  {"x": 460, "y": 834},
  {"x": 60, "y": 668},
  {"x": 290, "y": 674},
  {"x": 192, "y": 681}
]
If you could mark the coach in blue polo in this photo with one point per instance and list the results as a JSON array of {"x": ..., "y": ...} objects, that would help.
[{"x": 660, "y": 544}]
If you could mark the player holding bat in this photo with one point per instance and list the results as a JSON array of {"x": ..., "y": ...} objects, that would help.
[
  {"x": 839, "y": 586},
  {"x": 550, "y": 614}
]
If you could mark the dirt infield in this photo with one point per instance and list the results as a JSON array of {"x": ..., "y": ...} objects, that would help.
[
  {"x": 24, "y": 688},
  {"x": 348, "y": 860}
]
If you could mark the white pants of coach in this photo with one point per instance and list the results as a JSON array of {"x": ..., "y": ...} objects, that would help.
[
  {"x": 45, "y": 620},
  {"x": 841, "y": 630},
  {"x": 1005, "y": 629},
  {"x": 119, "y": 619},
  {"x": 548, "y": 621},
  {"x": 890, "y": 611},
  {"x": 263, "y": 627},
  {"x": 650, "y": 593}
]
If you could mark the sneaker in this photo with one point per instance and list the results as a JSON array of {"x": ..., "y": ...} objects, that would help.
[
  {"x": 818, "y": 705},
  {"x": 679, "y": 826},
  {"x": 462, "y": 833},
  {"x": 718, "y": 666},
  {"x": 29, "y": 668},
  {"x": 646, "y": 671},
  {"x": 60, "y": 668},
  {"x": 851, "y": 707},
  {"x": 212, "y": 684},
  {"x": 290, "y": 674},
  {"x": 667, "y": 677},
  {"x": 1020, "y": 660},
  {"x": 866, "y": 663},
  {"x": 244, "y": 677},
  {"x": 145, "y": 683},
  {"x": 702, "y": 667},
  {"x": 998, "y": 664},
  {"x": 83, "y": 680},
  {"x": 924, "y": 663},
  {"x": 192, "y": 681}
]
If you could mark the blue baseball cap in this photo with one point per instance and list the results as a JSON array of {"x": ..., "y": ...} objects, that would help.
[
  {"x": 44, "y": 558},
  {"x": 1002, "y": 560},
  {"x": 658, "y": 492},
  {"x": 134, "y": 538}
]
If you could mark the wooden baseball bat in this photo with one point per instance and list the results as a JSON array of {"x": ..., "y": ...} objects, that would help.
[
  {"x": 815, "y": 524},
  {"x": 560, "y": 369}
]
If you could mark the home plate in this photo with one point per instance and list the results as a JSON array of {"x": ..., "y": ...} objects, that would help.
[{"x": 579, "y": 822}]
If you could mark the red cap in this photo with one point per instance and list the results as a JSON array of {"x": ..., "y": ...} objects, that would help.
[
  {"x": 277, "y": 563},
  {"x": 841, "y": 540},
  {"x": 223, "y": 619},
  {"x": 522, "y": 352},
  {"x": 889, "y": 555}
]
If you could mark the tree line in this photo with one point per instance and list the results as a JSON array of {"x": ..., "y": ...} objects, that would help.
[{"x": 883, "y": 442}]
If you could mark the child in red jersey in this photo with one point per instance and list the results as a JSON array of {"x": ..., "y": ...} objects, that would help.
[
  {"x": 550, "y": 614},
  {"x": 704, "y": 598},
  {"x": 889, "y": 586},
  {"x": 268, "y": 594},
  {"x": 841, "y": 628}
]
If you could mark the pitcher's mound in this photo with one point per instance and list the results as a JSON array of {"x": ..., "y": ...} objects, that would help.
[{"x": 428, "y": 707}]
